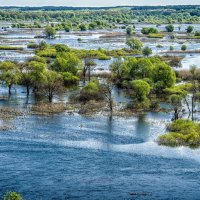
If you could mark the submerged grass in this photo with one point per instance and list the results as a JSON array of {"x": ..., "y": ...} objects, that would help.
[
  {"x": 155, "y": 35},
  {"x": 9, "y": 48},
  {"x": 48, "y": 108}
]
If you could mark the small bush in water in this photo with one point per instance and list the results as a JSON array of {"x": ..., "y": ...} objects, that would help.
[
  {"x": 182, "y": 133},
  {"x": 12, "y": 196}
]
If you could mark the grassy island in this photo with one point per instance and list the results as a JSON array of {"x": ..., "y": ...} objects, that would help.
[{"x": 182, "y": 132}]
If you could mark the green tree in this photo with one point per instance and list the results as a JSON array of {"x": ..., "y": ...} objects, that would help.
[
  {"x": 134, "y": 44},
  {"x": 83, "y": 27},
  {"x": 91, "y": 91},
  {"x": 169, "y": 28},
  {"x": 42, "y": 45},
  {"x": 61, "y": 48},
  {"x": 50, "y": 32},
  {"x": 138, "y": 68},
  {"x": 193, "y": 71},
  {"x": 9, "y": 74},
  {"x": 141, "y": 90},
  {"x": 183, "y": 47},
  {"x": 190, "y": 29},
  {"x": 67, "y": 28},
  {"x": 66, "y": 62},
  {"x": 69, "y": 79},
  {"x": 53, "y": 84},
  {"x": 117, "y": 68},
  {"x": 146, "y": 30},
  {"x": 176, "y": 104},
  {"x": 89, "y": 63},
  {"x": 163, "y": 76},
  {"x": 147, "y": 51},
  {"x": 129, "y": 30},
  {"x": 35, "y": 72},
  {"x": 32, "y": 74}
]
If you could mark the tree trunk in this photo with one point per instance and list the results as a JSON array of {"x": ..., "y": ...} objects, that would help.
[
  {"x": 188, "y": 106},
  {"x": 9, "y": 89},
  {"x": 84, "y": 75},
  {"x": 193, "y": 107},
  {"x": 111, "y": 105},
  {"x": 176, "y": 114},
  {"x": 50, "y": 96},
  {"x": 27, "y": 90},
  {"x": 89, "y": 73}
]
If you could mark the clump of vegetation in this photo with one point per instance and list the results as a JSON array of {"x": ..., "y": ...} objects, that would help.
[
  {"x": 197, "y": 34},
  {"x": 129, "y": 30},
  {"x": 184, "y": 47},
  {"x": 174, "y": 61},
  {"x": 12, "y": 196},
  {"x": 9, "y": 74},
  {"x": 182, "y": 133},
  {"x": 50, "y": 32},
  {"x": 10, "y": 48},
  {"x": 48, "y": 108},
  {"x": 134, "y": 44},
  {"x": 147, "y": 51},
  {"x": 141, "y": 90},
  {"x": 7, "y": 113},
  {"x": 155, "y": 35},
  {"x": 146, "y": 30},
  {"x": 189, "y": 29},
  {"x": 32, "y": 45},
  {"x": 92, "y": 91},
  {"x": 169, "y": 28}
]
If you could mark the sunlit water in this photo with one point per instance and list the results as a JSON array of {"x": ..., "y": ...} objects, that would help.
[{"x": 75, "y": 157}]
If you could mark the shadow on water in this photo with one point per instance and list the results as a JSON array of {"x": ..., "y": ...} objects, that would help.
[{"x": 142, "y": 128}]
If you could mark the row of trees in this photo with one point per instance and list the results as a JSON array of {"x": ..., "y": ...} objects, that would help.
[
  {"x": 156, "y": 15},
  {"x": 43, "y": 78},
  {"x": 50, "y": 31},
  {"x": 169, "y": 28}
]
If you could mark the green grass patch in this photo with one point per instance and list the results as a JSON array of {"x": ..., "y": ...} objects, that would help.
[
  {"x": 155, "y": 35},
  {"x": 9, "y": 48},
  {"x": 49, "y": 52},
  {"x": 188, "y": 37}
]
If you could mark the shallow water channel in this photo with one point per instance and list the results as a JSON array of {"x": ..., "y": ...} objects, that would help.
[{"x": 75, "y": 157}]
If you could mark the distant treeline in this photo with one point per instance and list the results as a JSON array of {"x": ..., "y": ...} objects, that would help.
[
  {"x": 57, "y": 8},
  {"x": 103, "y": 15}
]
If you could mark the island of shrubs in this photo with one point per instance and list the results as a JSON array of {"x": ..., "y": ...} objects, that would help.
[{"x": 182, "y": 132}]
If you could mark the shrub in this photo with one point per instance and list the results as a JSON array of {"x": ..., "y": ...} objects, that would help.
[
  {"x": 32, "y": 45},
  {"x": 184, "y": 47},
  {"x": 169, "y": 28},
  {"x": 146, "y": 30},
  {"x": 197, "y": 33},
  {"x": 91, "y": 91},
  {"x": 69, "y": 78},
  {"x": 12, "y": 196},
  {"x": 141, "y": 89},
  {"x": 182, "y": 133},
  {"x": 147, "y": 51}
]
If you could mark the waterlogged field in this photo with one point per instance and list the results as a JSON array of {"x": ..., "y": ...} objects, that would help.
[
  {"x": 71, "y": 156},
  {"x": 106, "y": 39}
]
